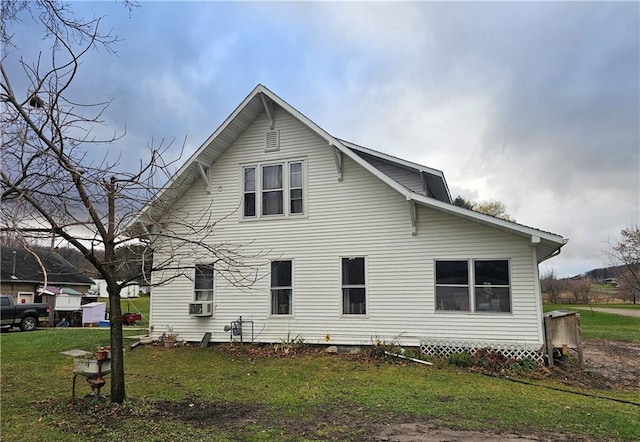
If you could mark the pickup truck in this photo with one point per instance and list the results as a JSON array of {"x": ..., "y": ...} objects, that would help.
[{"x": 25, "y": 316}]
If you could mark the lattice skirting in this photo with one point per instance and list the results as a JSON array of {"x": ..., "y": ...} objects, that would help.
[{"x": 447, "y": 348}]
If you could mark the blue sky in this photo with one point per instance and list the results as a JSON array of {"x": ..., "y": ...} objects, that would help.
[{"x": 533, "y": 104}]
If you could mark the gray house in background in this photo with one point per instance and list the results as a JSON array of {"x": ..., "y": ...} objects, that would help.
[{"x": 22, "y": 277}]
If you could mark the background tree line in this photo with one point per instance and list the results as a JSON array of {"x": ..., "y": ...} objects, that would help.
[
  {"x": 129, "y": 259},
  {"x": 624, "y": 255}
]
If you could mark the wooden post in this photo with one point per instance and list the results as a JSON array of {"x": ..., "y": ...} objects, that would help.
[
  {"x": 579, "y": 339},
  {"x": 549, "y": 344}
]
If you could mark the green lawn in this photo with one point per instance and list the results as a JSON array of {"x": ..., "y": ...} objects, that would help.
[
  {"x": 305, "y": 397},
  {"x": 603, "y": 325}
]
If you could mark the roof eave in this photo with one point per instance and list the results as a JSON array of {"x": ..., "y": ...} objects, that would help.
[{"x": 534, "y": 235}]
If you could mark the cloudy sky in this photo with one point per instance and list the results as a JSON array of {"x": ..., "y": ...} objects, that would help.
[{"x": 533, "y": 104}]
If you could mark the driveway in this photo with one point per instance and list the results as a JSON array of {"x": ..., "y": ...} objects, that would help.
[{"x": 635, "y": 313}]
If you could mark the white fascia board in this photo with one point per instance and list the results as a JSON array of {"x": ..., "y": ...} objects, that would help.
[
  {"x": 335, "y": 142},
  {"x": 180, "y": 175},
  {"x": 332, "y": 141},
  {"x": 189, "y": 163},
  {"x": 298, "y": 115},
  {"x": 534, "y": 235}
]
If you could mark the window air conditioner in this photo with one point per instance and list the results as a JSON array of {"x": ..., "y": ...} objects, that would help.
[{"x": 201, "y": 308}]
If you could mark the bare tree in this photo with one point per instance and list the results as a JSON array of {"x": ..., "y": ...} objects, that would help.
[
  {"x": 627, "y": 287},
  {"x": 552, "y": 286},
  {"x": 51, "y": 186},
  {"x": 625, "y": 251},
  {"x": 581, "y": 289}
]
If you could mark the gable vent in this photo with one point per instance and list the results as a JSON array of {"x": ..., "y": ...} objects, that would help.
[{"x": 272, "y": 141}]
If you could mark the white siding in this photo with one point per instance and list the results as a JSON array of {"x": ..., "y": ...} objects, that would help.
[{"x": 360, "y": 216}]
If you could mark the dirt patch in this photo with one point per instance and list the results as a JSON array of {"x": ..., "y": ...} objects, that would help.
[
  {"x": 616, "y": 362},
  {"x": 342, "y": 421},
  {"x": 199, "y": 414},
  {"x": 608, "y": 365},
  {"x": 419, "y": 432},
  {"x": 634, "y": 313}
]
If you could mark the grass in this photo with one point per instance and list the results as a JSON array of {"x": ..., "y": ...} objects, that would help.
[
  {"x": 326, "y": 394},
  {"x": 603, "y": 325}
]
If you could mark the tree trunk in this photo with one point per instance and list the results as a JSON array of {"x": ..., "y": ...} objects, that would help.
[{"x": 117, "y": 344}]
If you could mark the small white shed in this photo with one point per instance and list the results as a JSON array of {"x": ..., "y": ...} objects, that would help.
[
  {"x": 68, "y": 300},
  {"x": 93, "y": 313}
]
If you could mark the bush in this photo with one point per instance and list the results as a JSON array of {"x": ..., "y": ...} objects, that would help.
[
  {"x": 490, "y": 359},
  {"x": 462, "y": 359}
]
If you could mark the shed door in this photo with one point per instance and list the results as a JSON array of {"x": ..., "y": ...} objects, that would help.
[{"x": 25, "y": 298}]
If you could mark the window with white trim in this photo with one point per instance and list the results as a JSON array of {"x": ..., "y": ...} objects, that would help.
[
  {"x": 477, "y": 286},
  {"x": 249, "y": 198},
  {"x": 452, "y": 285},
  {"x": 272, "y": 185},
  {"x": 296, "y": 187},
  {"x": 203, "y": 282},
  {"x": 273, "y": 189},
  {"x": 354, "y": 289},
  {"x": 281, "y": 288},
  {"x": 492, "y": 286}
]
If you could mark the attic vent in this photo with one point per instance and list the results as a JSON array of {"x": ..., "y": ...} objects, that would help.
[{"x": 272, "y": 141}]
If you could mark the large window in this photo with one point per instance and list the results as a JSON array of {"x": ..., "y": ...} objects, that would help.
[
  {"x": 281, "y": 289},
  {"x": 354, "y": 289},
  {"x": 204, "y": 282},
  {"x": 491, "y": 281},
  {"x": 473, "y": 286},
  {"x": 452, "y": 285},
  {"x": 279, "y": 187}
]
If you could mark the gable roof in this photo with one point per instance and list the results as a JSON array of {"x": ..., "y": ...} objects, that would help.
[
  {"x": 414, "y": 177},
  {"x": 386, "y": 167},
  {"x": 418, "y": 184},
  {"x": 28, "y": 270}
]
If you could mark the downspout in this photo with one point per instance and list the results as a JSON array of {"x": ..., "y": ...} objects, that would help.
[{"x": 538, "y": 294}]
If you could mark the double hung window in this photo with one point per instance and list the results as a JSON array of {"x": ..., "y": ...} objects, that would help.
[
  {"x": 354, "y": 288},
  {"x": 473, "y": 286},
  {"x": 203, "y": 282},
  {"x": 296, "y": 187},
  {"x": 491, "y": 282},
  {"x": 452, "y": 285},
  {"x": 272, "y": 201},
  {"x": 273, "y": 189},
  {"x": 249, "y": 174},
  {"x": 281, "y": 288}
]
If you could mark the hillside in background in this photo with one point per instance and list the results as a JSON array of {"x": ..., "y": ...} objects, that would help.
[
  {"x": 129, "y": 259},
  {"x": 602, "y": 273}
]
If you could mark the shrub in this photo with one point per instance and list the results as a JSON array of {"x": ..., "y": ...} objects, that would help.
[{"x": 461, "y": 359}]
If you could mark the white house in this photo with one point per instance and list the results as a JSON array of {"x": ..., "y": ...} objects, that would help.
[
  {"x": 100, "y": 287},
  {"x": 349, "y": 245}
]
